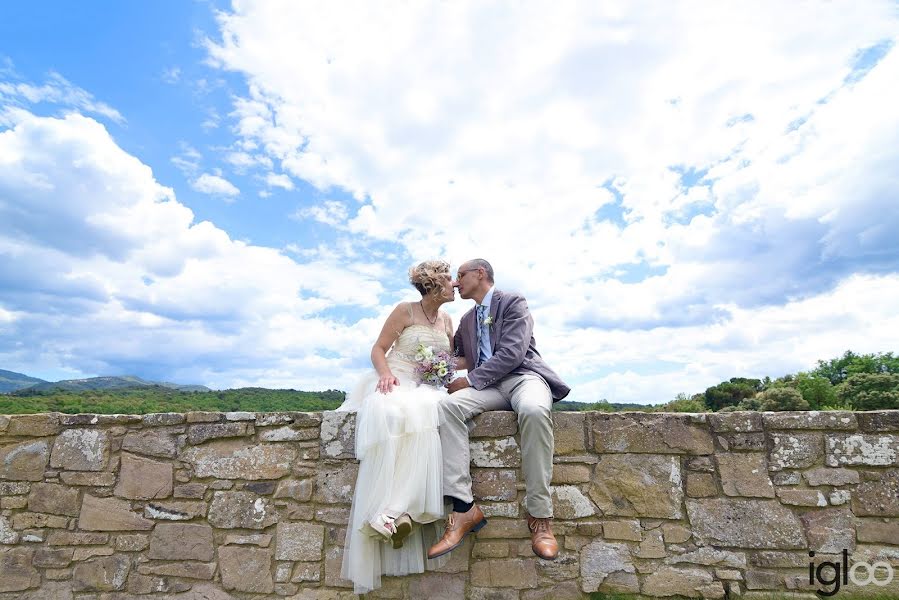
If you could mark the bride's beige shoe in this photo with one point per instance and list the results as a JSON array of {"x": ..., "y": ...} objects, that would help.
[{"x": 403, "y": 527}]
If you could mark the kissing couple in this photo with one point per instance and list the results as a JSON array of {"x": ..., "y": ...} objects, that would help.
[{"x": 412, "y": 437}]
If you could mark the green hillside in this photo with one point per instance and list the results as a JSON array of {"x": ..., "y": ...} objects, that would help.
[
  {"x": 155, "y": 399},
  {"x": 11, "y": 381}
]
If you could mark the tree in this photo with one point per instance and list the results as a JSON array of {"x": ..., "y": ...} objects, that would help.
[
  {"x": 870, "y": 391},
  {"x": 684, "y": 403},
  {"x": 816, "y": 390},
  {"x": 837, "y": 370},
  {"x": 781, "y": 398},
  {"x": 730, "y": 393}
]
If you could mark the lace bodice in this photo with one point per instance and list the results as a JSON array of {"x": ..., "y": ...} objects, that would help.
[{"x": 401, "y": 358}]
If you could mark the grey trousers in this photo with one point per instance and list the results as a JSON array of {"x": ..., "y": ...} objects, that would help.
[{"x": 527, "y": 395}]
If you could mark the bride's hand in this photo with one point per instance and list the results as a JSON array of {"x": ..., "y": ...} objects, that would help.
[{"x": 386, "y": 383}]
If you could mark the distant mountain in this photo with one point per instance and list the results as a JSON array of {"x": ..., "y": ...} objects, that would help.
[
  {"x": 31, "y": 384},
  {"x": 11, "y": 381}
]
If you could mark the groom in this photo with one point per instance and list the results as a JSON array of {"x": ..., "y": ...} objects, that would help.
[{"x": 504, "y": 371}]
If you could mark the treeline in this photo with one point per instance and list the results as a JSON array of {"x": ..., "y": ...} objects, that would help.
[
  {"x": 154, "y": 399},
  {"x": 850, "y": 382}
]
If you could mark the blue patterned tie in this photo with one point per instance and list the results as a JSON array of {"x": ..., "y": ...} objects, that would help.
[{"x": 482, "y": 311}]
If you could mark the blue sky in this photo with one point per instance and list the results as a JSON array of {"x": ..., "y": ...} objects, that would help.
[{"x": 231, "y": 194}]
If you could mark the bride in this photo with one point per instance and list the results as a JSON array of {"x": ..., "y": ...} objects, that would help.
[{"x": 398, "y": 495}]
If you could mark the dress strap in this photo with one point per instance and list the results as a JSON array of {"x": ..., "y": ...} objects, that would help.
[{"x": 409, "y": 306}]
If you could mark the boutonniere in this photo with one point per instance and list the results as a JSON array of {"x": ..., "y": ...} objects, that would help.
[{"x": 488, "y": 321}]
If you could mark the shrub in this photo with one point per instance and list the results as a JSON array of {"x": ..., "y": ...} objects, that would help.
[
  {"x": 870, "y": 391},
  {"x": 686, "y": 404},
  {"x": 781, "y": 398}
]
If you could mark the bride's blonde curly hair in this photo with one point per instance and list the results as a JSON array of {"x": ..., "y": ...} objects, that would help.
[{"x": 425, "y": 276}]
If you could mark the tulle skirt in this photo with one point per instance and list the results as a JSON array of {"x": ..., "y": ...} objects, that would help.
[{"x": 400, "y": 471}]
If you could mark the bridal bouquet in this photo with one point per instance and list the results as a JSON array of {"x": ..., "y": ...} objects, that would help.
[{"x": 435, "y": 368}]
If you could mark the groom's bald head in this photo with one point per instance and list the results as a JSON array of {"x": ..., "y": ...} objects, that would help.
[{"x": 479, "y": 263}]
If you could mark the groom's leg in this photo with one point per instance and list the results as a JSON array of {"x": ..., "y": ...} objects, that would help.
[
  {"x": 532, "y": 400},
  {"x": 455, "y": 411}
]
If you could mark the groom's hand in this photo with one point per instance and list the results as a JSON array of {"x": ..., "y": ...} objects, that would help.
[{"x": 459, "y": 383}]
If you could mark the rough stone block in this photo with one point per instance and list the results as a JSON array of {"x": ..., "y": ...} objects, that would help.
[
  {"x": 571, "y": 473},
  {"x": 132, "y": 542},
  {"x": 496, "y": 423},
  {"x": 874, "y": 450},
  {"x": 238, "y": 459},
  {"x": 831, "y": 420},
  {"x": 246, "y": 569},
  {"x": 8, "y": 535},
  {"x": 829, "y": 530},
  {"x": 511, "y": 573},
  {"x": 189, "y": 490},
  {"x": 299, "y": 541},
  {"x": 802, "y": 497},
  {"x": 745, "y": 475},
  {"x": 109, "y": 514},
  {"x": 103, "y": 574},
  {"x": 302, "y": 572},
  {"x": 496, "y": 453},
  {"x": 878, "y": 497},
  {"x": 878, "y": 421},
  {"x": 197, "y": 434},
  {"x": 670, "y": 581},
  {"x": 437, "y": 586},
  {"x": 16, "y": 570},
  {"x": 189, "y": 570},
  {"x": 80, "y": 450},
  {"x": 38, "y": 425},
  {"x": 638, "y": 485},
  {"x": 54, "y": 499},
  {"x": 622, "y": 530},
  {"x": 762, "y": 524},
  {"x": 655, "y": 433},
  {"x": 335, "y": 481},
  {"x": 88, "y": 478},
  {"x": 71, "y": 538},
  {"x": 599, "y": 560},
  {"x": 494, "y": 484},
  {"x": 182, "y": 541},
  {"x": 795, "y": 450},
  {"x": 569, "y": 433},
  {"x": 245, "y": 510},
  {"x": 736, "y": 422},
  {"x": 143, "y": 478},
  {"x": 53, "y": 558},
  {"x": 162, "y": 419},
  {"x": 877, "y": 531},
  {"x": 675, "y": 534},
  {"x": 569, "y": 503},
  {"x": 289, "y": 434},
  {"x": 28, "y": 520},
  {"x": 831, "y": 476},
  {"x": 338, "y": 434},
  {"x": 301, "y": 491},
  {"x": 24, "y": 461},
  {"x": 154, "y": 442}
]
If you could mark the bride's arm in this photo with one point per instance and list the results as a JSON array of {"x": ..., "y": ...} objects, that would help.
[{"x": 395, "y": 323}]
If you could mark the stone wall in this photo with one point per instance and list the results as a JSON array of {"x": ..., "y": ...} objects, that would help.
[{"x": 212, "y": 506}]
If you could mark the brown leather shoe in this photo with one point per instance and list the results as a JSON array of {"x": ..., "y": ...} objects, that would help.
[
  {"x": 458, "y": 525},
  {"x": 543, "y": 542}
]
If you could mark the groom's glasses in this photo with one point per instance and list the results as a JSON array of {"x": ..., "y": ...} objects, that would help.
[{"x": 461, "y": 273}]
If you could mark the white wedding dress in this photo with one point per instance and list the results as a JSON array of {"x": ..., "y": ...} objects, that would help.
[{"x": 400, "y": 470}]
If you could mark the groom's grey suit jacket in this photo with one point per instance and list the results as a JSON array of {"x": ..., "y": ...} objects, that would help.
[{"x": 512, "y": 342}]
